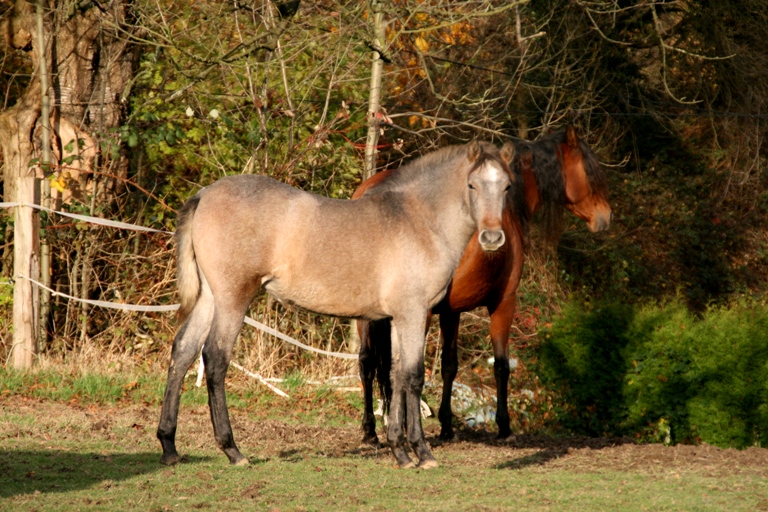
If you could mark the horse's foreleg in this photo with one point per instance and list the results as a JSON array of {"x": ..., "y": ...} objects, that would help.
[
  {"x": 395, "y": 436},
  {"x": 186, "y": 347},
  {"x": 501, "y": 320},
  {"x": 367, "y": 365},
  {"x": 413, "y": 375},
  {"x": 410, "y": 379},
  {"x": 217, "y": 354},
  {"x": 449, "y": 367}
]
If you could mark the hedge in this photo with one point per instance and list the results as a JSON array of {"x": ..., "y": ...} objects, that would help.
[{"x": 660, "y": 372}]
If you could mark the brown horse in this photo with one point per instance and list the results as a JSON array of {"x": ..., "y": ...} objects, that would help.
[
  {"x": 560, "y": 172},
  {"x": 388, "y": 255}
]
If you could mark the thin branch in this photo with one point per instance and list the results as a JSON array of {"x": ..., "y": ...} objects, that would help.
[{"x": 663, "y": 48}]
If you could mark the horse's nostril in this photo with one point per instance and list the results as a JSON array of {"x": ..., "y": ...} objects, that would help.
[
  {"x": 601, "y": 223},
  {"x": 606, "y": 222}
]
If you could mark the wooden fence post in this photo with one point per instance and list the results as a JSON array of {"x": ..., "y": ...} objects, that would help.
[{"x": 25, "y": 263}]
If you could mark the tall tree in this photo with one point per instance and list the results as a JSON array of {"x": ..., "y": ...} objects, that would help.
[{"x": 89, "y": 62}]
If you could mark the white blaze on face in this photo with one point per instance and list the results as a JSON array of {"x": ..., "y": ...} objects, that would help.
[{"x": 488, "y": 187}]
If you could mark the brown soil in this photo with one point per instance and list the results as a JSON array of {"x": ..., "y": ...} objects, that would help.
[{"x": 131, "y": 428}]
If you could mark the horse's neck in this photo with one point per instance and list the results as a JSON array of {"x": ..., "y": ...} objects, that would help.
[
  {"x": 532, "y": 197},
  {"x": 443, "y": 210}
]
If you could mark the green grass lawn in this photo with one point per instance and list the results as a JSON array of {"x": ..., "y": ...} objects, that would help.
[
  {"x": 97, "y": 475},
  {"x": 101, "y": 454}
]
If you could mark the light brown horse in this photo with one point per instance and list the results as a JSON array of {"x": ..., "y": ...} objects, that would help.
[
  {"x": 559, "y": 172},
  {"x": 388, "y": 255}
]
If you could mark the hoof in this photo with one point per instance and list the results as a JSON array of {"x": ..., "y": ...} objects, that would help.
[
  {"x": 235, "y": 457},
  {"x": 170, "y": 459},
  {"x": 449, "y": 437},
  {"x": 241, "y": 462},
  {"x": 403, "y": 460},
  {"x": 370, "y": 440},
  {"x": 504, "y": 435},
  {"x": 428, "y": 464}
]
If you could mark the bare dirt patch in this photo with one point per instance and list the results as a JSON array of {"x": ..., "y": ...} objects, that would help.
[{"x": 132, "y": 427}]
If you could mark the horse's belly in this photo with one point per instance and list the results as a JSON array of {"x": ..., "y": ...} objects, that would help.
[{"x": 324, "y": 300}]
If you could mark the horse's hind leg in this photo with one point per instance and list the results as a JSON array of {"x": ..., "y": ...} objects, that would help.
[
  {"x": 449, "y": 367},
  {"x": 367, "y": 365},
  {"x": 217, "y": 354},
  {"x": 186, "y": 346},
  {"x": 374, "y": 362}
]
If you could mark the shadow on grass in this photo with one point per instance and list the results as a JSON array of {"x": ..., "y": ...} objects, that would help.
[
  {"x": 292, "y": 455},
  {"x": 58, "y": 471},
  {"x": 549, "y": 447}
]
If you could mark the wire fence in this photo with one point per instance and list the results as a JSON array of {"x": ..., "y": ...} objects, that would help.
[{"x": 151, "y": 308}]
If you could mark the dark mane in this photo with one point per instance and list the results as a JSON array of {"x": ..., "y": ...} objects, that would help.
[
  {"x": 546, "y": 157},
  {"x": 432, "y": 165},
  {"x": 597, "y": 179},
  {"x": 545, "y": 163},
  {"x": 595, "y": 175}
]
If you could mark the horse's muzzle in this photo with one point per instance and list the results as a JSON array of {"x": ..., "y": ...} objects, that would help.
[
  {"x": 601, "y": 223},
  {"x": 491, "y": 240}
]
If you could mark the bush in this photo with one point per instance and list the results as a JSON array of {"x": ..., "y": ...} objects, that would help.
[
  {"x": 661, "y": 373},
  {"x": 582, "y": 356}
]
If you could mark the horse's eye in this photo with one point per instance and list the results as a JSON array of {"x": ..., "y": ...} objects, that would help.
[
  {"x": 507, "y": 189},
  {"x": 471, "y": 186}
]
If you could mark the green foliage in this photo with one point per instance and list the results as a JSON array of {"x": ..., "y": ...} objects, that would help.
[
  {"x": 707, "y": 376},
  {"x": 661, "y": 373},
  {"x": 583, "y": 355},
  {"x": 6, "y": 295}
]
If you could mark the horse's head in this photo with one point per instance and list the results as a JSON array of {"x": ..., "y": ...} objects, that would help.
[
  {"x": 585, "y": 187},
  {"x": 487, "y": 185}
]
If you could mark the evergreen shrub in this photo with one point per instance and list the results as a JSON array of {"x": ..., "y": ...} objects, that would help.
[{"x": 661, "y": 373}]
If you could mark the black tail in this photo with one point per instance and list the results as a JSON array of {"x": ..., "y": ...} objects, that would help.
[{"x": 381, "y": 350}]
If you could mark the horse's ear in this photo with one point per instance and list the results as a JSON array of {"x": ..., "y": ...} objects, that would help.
[
  {"x": 473, "y": 150},
  {"x": 571, "y": 137},
  {"x": 507, "y": 152}
]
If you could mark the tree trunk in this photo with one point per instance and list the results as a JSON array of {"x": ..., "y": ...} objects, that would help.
[
  {"x": 90, "y": 64},
  {"x": 374, "y": 99},
  {"x": 45, "y": 185}
]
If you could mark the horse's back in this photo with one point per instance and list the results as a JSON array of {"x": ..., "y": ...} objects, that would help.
[{"x": 325, "y": 255}]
